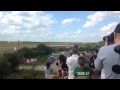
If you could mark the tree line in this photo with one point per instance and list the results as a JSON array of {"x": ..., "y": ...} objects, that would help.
[{"x": 9, "y": 62}]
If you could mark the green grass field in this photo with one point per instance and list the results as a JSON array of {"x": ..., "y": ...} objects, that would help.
[{"x": 9, "y": 47}]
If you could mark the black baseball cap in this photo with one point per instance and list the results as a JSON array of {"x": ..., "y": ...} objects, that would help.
[{"x": 117, "y": 29}]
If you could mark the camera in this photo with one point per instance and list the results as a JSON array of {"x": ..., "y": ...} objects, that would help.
[
  {"x": 97, "y": 50},
  {"x": 116, "y": 68},
  {"x": 117, "y": 49},
  {"x": 110, "y": 38}
]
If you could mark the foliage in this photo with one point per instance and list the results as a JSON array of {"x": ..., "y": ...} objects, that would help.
[
  {"x": 25, "y": 52},
  {"x": 91, "y": 46},
  {"x": 26, "y": 74},
  {"x": 43, "y": 50},
  {"x": 76, "y": 46},
  {"x": 41, "y": 59},
  {"x": 4, "y": 68},
  {"x": 13, "y": 59}
]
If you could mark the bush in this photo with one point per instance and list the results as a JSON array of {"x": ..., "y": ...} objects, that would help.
[
  {"x": 4, "y": 68},
  {"x": 27, "y": 74},
  {"x": 13, "y": 59},
  {"x": 42, "y": 59}
]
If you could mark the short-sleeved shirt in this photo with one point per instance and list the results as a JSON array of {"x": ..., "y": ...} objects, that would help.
[
  {"x": 85, "y": 73},
  {"x": 106, "y": 59},
  {"x": 72, "y": 63}
]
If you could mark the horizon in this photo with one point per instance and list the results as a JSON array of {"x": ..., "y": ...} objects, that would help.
[
  {"x": 49, "y": 41},
  {"x": 57, "y": 26}
]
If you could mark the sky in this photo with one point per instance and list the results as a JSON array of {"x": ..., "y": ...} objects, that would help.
[{"x": 57, "y": 26}]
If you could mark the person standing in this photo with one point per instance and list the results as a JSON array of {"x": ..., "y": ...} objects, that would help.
[
  {"x": 61, "y": 64},
  {"x": 83, "y": 71},
  {"x": 108, "y": 58},
  {"x": 48, "y": 70},
  {"x": 72, "y": 63}
]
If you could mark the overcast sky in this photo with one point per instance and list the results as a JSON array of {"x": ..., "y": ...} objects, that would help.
[{"x": 57, "y": 26}]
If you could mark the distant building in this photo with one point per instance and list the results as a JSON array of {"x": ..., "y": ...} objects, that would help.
[{"x": 15, "y": 48}]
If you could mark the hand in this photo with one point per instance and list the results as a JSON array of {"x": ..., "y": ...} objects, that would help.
[
  {"x": 106, "y": 43},
  {"x": 65, "y": 77}
]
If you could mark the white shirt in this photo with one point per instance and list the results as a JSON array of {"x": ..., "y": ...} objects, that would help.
[{"x": 72, "y": 63}]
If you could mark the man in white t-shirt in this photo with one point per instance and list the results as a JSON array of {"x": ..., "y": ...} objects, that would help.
[{"x": 72, "y": 63}]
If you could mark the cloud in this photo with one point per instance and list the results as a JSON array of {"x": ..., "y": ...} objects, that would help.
[
  {"x": 79, "y": 31},
  {"x": 105, "y": 30},
  {"x": 26, "y": 23},
  {"x": 69, "y": 21},
  {"x": 95, "y": 18},
  {"x": 1, "y": 14},
  {"x": 78, "y": 37}
]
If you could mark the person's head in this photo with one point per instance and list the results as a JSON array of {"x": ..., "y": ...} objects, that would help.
[
  {"x": 82, "y": 61},
  {"x": 86, "y": 55},
  {"x": 74, "y": 51},
  {"x": 62, "y": 59},
  {"x": 48, "y": 65},
  {"x": 81, "y": 55},
  {"x": 94, "y": 53},
  {"x": 62, "y": 53},
  {"x": 70, "y": 51},
  {"x": 117, "y": 34}
]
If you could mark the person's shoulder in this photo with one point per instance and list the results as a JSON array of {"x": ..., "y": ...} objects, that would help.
[
  {"x": 103, "y": 47},
  {"x": 113, "y": 45},
  {"x": 69, "y": 57}
]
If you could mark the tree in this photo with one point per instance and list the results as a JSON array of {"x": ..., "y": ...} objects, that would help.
[
  {"x": 76, "y": 46},
  {"x": 33, "y": 52},
  {"x": 43, "y": 50},
  {"x": 5, "y": 68},
  {"x": 13, "y": 59},
  {"x": 25, "y": 52}
]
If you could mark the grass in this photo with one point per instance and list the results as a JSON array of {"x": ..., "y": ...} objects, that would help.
[
  {"x": 41, "y": 60},
  {"x": 27, "y": 74},
  {"x": 9, "y": 47}
]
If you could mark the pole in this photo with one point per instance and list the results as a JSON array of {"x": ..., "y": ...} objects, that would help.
[{"x": 18, "y": 44}]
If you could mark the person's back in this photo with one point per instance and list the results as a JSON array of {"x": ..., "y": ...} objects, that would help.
[
  {"x": 72, "y": 63},
  {"x": 48, "y": 70},
  {"x": 106, "y": 58}
]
